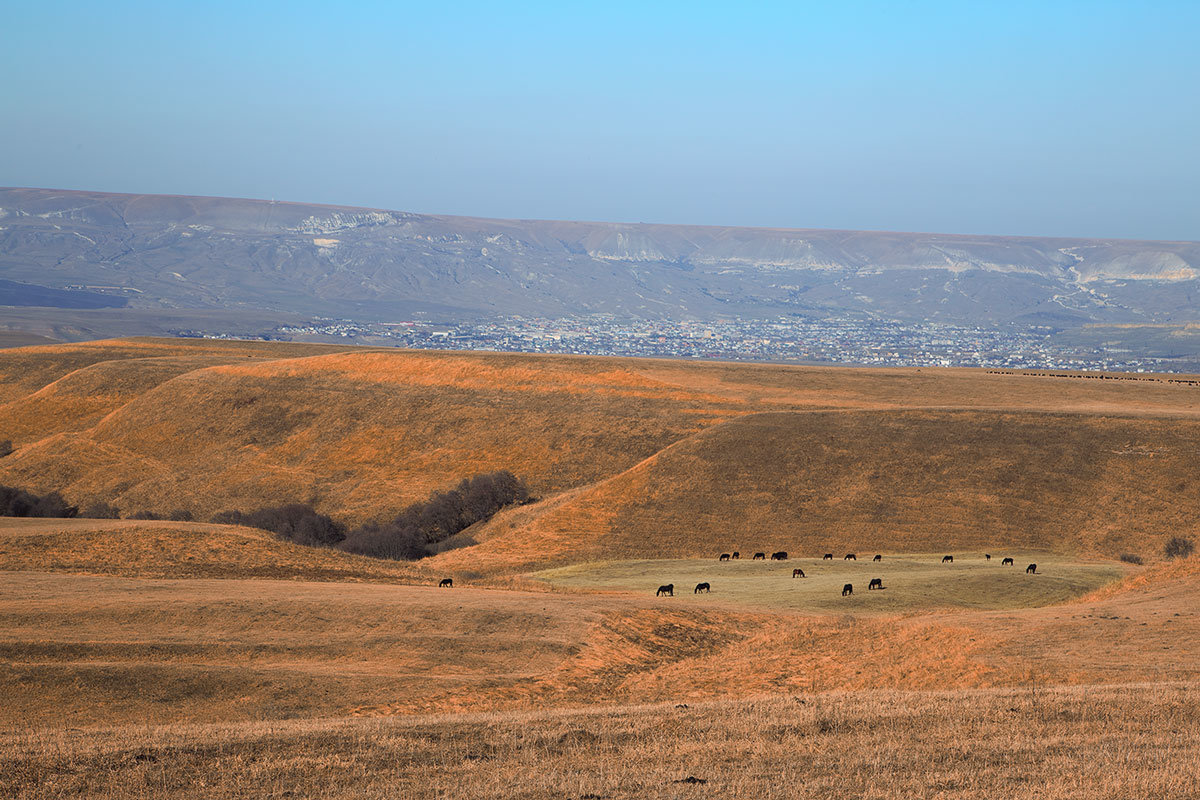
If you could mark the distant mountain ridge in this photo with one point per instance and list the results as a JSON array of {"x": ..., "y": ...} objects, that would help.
[{"x": 162, "y": 251}]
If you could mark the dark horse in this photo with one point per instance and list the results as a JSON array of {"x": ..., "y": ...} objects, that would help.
[
  {"x": 701, "y": 587},
  {"x": 797, "y": 573},
  {"x": 669, "y": 589},
  {"x": 759, "y": 557},
  {"x": 780, "y": 556},
  {"x": 947, "y": 558},
  {"x": 724, "y": 557},
  {"x": 736, "y": 555},
  {"x": 850, "y": 557},
  {"x": 827, "y": 557},
  {"x": 1031, "y": 569},
  {"x": 876, "y": 583},
  {"x": 847, "y": 589},
  {"x": 447, "y": 582},
  {"x": 1006, "y": 562},
  {"x": 877, "y": 557},
  {"x": 987, "y": 556}
]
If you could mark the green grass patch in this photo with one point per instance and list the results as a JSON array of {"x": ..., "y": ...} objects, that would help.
[{"x": 911, "y": 582}]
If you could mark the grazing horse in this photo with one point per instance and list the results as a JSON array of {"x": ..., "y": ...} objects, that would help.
[
  {"x": 1031, "y": 569},
  {"x": 987, "y": 556},
  {"x": 724, "y": 557},
  {"x": 850, "y": 557},
  {"x": 669, "y": 589},
  {"x": 847, "y": 589},
  {"x": 947, "y": 558},
  {"x": 1006, "y": 562},
  {"x": 701, "y": 587},
  {"x": 736, "y": 555},
  {"x": 876, "y": 583},
  {"x": 827, "y": 557},
  {"x": 447, "y": 582},
  {"x": 780, "y": 556},
  {"x": 759, "y": 557},
  {"x": 798, "y": 573},
  {"x": 877, "y": 557}
]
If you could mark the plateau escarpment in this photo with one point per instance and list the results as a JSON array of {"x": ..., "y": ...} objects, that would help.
[{"x": 205, "y": 254}]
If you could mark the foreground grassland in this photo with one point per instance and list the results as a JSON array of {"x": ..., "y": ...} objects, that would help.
[
  {"x": 910, "y": 582},
  {"x": 1132, "y": 742}
]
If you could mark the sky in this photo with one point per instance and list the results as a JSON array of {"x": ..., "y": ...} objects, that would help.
[{"x": 1040, "y": 118}]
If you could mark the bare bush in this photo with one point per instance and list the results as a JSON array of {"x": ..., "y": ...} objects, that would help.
[
  {"x": 100, "y": 510},
  {"x": 5, "y": 447},
  {"x": 1179, "y": 547},
  {"x": 16, "y": 502},
  {"x": 296, "y": 522},
  {"x": 1131, "y": 558},
  {"x": 432, "y": 527}
]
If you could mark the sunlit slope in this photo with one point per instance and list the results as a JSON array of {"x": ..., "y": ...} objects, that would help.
[
  {"x": 160, "y": 425},
  {"x": 872, "y": 481},
  {"x": 361, "y": 434},
  {"x": 25, "y": 370},
  {"x": 162, "y": 549}
]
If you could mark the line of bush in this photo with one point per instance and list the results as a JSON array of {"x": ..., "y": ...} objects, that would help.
[
  {"x": 16, "y": 502},
  {"x": 436, "y": 525},
  {"x": 420, "y": 530}
]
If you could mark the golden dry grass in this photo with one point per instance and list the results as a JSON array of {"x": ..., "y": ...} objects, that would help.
[
  {"x": 161, "y": 549},
  {"x": 83, "y": 649},
  {"x": 197, "y": 660},
  {"x": 1133, "y": 742},
  {"x": 164, "y": 424},
  {"x": 853, "y": 481}
]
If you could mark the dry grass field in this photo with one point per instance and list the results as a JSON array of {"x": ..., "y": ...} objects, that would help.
[
  {"x": 911, "y": 582},
  {"x": 1136, "y": 742},
  {"x": 189, "y": 659}
]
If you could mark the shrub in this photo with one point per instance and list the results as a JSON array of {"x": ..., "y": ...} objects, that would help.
[
  {"x": 180, "y": 515},
  {"x": 100, "y": 511},
  {"x": 16, "y": 502},
  {"x": 144, "y": 515},
  {"x": 5, "y": 447},
  {"x": 432, "y": 527},
  {"x": 1179, "y": 547},
  {"x": 385, "y": 541},
  {"x": 1131, "y": 558},
  {"x": 297, "y": 522}
]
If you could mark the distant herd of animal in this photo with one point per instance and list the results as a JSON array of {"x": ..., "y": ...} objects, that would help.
[{"x": 668, "y": 590}]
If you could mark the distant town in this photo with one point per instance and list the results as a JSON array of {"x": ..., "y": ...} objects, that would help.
[{"x": 784, "y": 339}]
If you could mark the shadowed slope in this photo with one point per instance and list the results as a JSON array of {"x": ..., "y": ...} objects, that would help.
[{"x": 915, "y": 481}]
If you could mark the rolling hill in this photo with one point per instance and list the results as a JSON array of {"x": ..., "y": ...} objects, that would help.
[{"x": 706, "y": 456}]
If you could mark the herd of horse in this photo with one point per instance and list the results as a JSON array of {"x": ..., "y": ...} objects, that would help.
[{"x": 668, "y": 589}]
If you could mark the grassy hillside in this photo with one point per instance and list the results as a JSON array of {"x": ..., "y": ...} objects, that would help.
[
  {"x": 914, "y": 481},
  {"x": 700, "y": 454}
]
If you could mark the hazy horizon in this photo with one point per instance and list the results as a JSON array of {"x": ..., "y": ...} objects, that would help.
[{"x": 1070, "y": 120}]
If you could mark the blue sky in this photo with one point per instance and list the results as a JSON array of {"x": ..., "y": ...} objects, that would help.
[{"x": 1049, "y": 118}]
